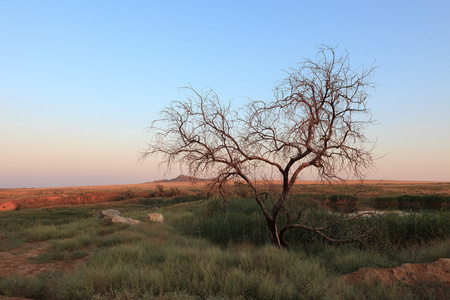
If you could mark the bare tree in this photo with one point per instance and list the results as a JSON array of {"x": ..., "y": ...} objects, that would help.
[{"x": 316, "y": 120}]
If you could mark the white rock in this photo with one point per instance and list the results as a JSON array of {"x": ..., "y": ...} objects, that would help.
[
  {"x": 113, "y": 216},
  {"x": 123, "y": 220},
  {"x": 107, "y": 214},
  {"x": 154, "y": 217}
]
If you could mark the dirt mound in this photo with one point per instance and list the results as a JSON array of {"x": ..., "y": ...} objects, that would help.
[{"x": 434, "y": 272}]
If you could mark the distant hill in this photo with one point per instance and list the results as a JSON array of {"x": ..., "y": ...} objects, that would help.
[{"x": 181, "y": 178}]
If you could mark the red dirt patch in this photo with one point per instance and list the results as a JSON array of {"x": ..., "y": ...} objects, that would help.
[
  {"x": 434, "y": 276},
  {"x": 15, "y": 262},
  {"x": 10, "y": 205}
]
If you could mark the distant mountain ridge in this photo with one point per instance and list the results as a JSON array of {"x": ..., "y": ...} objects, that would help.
[{"x": 181, "y": 178}]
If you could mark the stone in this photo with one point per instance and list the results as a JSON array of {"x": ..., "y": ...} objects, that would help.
[
  {"x": 113, "y": 216},
  {"x": 154, "y": 217},
  {"x": 123, "y": 220},
  {"x": 107, "y": 214}
]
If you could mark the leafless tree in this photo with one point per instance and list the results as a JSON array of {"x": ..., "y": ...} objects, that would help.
[{"x": 316, "y": 121}]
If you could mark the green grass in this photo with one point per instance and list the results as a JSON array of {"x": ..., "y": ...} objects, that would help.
[
  {"x": 11, "y": 240},
  {"x": 202, "y": 253},
  {"x": 243, "y": 222},
  {"x": 45, "y": 216},
  {"x": 60, "y": 256},
  {"x": 193, "y": 267},
  {"x": 34, "y": 287},
  {"x": 415, "y": 202}
]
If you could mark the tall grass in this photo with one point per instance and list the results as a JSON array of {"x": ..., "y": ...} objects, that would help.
[
  {"x": 167, "y": 201},
  {"x": 62, "y": 231},
  {"x": 198, "y": 269},
  {"x": 412, "y": 202},
  {"x": 243, "y": 221},
  {"x": 17, "y": 227},
  {"x": 13, "y": 221},
  {"x": 203, "y": 253},
  {"x": 34, "y": 287}
]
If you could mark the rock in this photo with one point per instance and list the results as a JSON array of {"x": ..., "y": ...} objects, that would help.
[
  {"x": 123, "y": 220},
  {"x": 154, "y": 217},
  {"x": 107, "y": 214},
  {"x": 113, "y": 216}
]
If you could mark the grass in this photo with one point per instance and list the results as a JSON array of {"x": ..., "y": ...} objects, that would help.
[
  {"x": 34, "y": 287},
  {"x": 412, "y": 202},
  {"x": 242, "y": 222},
  {"x": 59, "y": 256},
  {"x": 193, "y": 267},
  {"x": 202, "y": 253}
]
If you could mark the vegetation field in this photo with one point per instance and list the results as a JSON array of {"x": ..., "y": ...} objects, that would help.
[{"x": 205, "y": 250}]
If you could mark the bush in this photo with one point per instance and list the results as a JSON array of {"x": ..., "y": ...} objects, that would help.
[
  {"x": 126, "y": 195},
  {"x": 243, "y": 221},
  {"x": 342, "y": 203},
  {"x": 241, "y": 190},
  {"x": 163, "y": 201},
  {"x": 406, "y": 202}
]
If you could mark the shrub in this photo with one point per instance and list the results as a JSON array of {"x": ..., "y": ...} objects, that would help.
[
  {"x": 126, "y": 195},
  {"x": 412, "y": 202},
  {"x": 28, "y": 286},
  {"x": 342, "y": 203},
  {"x": 241, "y": 190},
  {"x": 162, "y": 201},
  {"x": 160, "y": 190}
]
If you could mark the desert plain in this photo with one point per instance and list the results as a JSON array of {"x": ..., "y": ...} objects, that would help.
[{"x": 17, "y": 198}]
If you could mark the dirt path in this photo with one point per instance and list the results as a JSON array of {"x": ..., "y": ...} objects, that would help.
[{"x": 15, "y": 262}]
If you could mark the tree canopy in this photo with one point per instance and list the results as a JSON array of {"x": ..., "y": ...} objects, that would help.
[{"x": 316, "y": 120}]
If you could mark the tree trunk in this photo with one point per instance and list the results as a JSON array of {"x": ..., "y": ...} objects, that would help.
[
  {"x": 273, "y": 230},
  {"x": 281, "y": 237}
]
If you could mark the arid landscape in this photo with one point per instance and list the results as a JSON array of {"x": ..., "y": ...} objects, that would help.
[
  {"x": 105, "y": 103},
  {"x": 27, "y": 254},
  {"x": 11, "y": 199}
]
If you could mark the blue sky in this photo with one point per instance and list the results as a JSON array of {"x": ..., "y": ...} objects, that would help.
[{"x": 81, "y": 80}]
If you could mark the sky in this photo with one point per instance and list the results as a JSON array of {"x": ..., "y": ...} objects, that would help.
[{"x": 80, "y": 81}]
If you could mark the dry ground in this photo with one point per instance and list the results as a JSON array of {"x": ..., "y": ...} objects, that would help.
[
  {"x": 11, "y": 199},
  {"x": 16, "y": 262}
]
